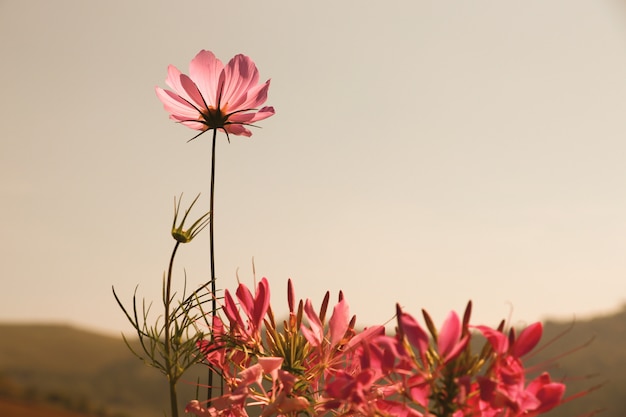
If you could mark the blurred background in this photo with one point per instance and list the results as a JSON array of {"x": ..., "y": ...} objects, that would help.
[{"x": 422, "y": 152}]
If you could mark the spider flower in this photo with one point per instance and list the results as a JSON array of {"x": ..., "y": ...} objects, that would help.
[{"x": 214, "y": 96}]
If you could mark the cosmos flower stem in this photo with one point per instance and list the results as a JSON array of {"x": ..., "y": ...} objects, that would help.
[{"x": 212, "y": 254}]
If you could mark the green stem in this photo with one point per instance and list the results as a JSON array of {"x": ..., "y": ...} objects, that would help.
[
  {"x": 172, "y": 376},
  {"x": 212, "y": 257},
  {"x": 173, "y": 399}
]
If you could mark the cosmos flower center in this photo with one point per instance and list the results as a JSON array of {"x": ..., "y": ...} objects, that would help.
[{"x": 214, "y": 118}]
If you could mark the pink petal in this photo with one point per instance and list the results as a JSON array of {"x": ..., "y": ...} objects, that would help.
[
  {"x": 339, "y": 322},
  {"x": 309, "y": 335},
  {"x": 251, "y": 98},
  {"x": 195, "y": 408},
  {"x": 247, "y": 118},
  {"x": 457, "y": 349},
  {"x": 238, "y": 130},
  {"x": 287, "y": 379},
  {"x": 413, "y": 331},
  {"x": 231, "y": 311},
  {"x": 250, "y": 375},
  {"x": 547, "y": 392},
  {"x": 270, "y": 365},
  {"x": 180, "y": 109},
  {"x": 383, "y": 354},
  {"x": 396, "y": 409},
  {"x": 263, "y": 113},
  {"x": 448, "y": 340},
  {"x": 173, "y": 79},
  {"x": 255, "y": 96},
  {"x": 217, "y": 329},
  {"x": 526, "y": 401},
  {"x": 527, "y": 340},
  {"x": 317, "y": 329},
  {"x": 449, "y": 334},
  {"x": 191, "y": 125},
  {"x": 241, "y": 118},
  {"x": 550, "y": 396},
  {"x": 261, "y": 303},
  {"x": 205, "y": 70},
  {"x": 367, "y": 335},
  {"x": 184, "y": 87},
  {"x": 240, "y": 74},
  {"x": 192, "y": 91},
  {"x": 498, "y": 340},
  {"x": 419, "y": 389},
  {"x": 246, "y": 300}
]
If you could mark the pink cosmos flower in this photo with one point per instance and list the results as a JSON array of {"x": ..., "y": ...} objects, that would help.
[{"x": 215, "y": 96}]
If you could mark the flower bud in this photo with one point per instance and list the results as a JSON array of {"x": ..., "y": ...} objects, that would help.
[{"x": 181, "y": 235}]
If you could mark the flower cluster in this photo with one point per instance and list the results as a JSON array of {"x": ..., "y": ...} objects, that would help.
[
  {"x": 316, "y": 362},
  {"x": 313, "y": 366}
]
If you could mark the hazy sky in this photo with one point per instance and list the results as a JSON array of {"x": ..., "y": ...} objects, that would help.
[{"x": 422, "y": 152}]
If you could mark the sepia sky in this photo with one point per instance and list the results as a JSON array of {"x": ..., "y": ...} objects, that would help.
[{"x": 422, "y": 152}]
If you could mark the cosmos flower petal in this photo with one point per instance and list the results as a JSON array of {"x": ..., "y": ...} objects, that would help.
[
  {"x": 173, "y": 79},
  {"x": 263, "y": 113},
  {"x": 239, "y": 75},
  {"x": 238, "y": 130},
  {"x": 249, "y": 96},
  {"x": 184, "y": 87},
  {"x": 205, "y": 70},
  {"x": 178, "y": 108},
  {"x": 194, "y": 125},
  {"x": 254, "y": 97},
  {"x": 191, "y": 89},
  {"x": 247, "y": 118}
]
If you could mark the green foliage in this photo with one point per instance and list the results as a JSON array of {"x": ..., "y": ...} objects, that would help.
[{"x": 170, "y": 344}]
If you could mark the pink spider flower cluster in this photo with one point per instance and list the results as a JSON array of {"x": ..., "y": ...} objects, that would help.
[{"x": 318, "y": 367}]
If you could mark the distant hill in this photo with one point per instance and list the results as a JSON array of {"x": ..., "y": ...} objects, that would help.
[
  {"x": 603, "y": 361},
  {"x": 14, "y": 408},
  {"x": 88, "y": 374},
  {"x": 82, "y": 371}
]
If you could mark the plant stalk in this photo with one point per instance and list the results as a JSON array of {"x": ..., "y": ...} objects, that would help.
[
  {"x": 172, "y": 377},
  {"x": 212, "y": 257}
]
